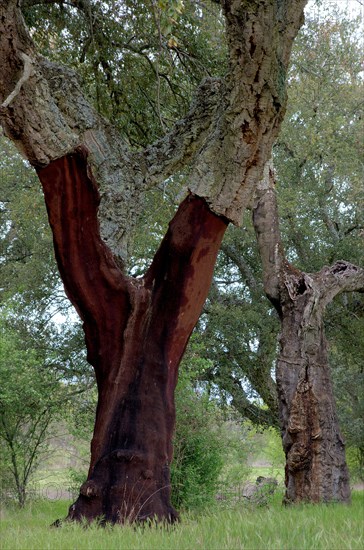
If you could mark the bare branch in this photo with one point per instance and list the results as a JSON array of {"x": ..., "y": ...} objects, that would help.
[
  {"x": 28, "y": 71},
  {"x": 340, "y": 277},
  {"x": 266, "y": 225}
]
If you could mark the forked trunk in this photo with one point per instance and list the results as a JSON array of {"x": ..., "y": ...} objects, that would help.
[{"x": 136, "y": 332}]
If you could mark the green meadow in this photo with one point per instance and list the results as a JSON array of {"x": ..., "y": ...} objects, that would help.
[{"x": 331, "y": 527}]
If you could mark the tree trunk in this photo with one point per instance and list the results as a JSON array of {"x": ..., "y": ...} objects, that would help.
[
  {"x": 316, "y": 469},
  {"x": 136, "y": 332}
]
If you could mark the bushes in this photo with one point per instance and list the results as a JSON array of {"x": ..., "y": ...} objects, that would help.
[
  {"x": 30, "y": 397},
  {"x": 199, "y": 449}
]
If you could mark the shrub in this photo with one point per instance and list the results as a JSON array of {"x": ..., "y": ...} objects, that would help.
[{"x": 198, "y": 448}]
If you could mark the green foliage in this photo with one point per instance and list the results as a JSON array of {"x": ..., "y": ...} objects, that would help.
[
  {"x": 199, "y": 449},
  {"x": 80, "y": 418},
  {"x": 41, "y": 370},
  {"x": 27, "y": 268},
  {"x": 319, "y": 152},
  {"x": 268, "y": 446},
  {"x": 347, "y": 360},
  {"x": 139, "y": 61},
  {"x": 355, "y": 462},
  {"x": 30, "y": 394},
  {"x": 41, "y": 363}
]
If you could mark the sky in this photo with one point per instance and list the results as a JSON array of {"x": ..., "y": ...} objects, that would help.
[{"x": 355, "y": 7}]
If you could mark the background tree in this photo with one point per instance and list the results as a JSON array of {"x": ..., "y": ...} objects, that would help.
[
  {"x": 315, "y": 465},
  {"x": 321, "y": 222},
  {"x": 31, "y": 398},
  {"x": 330, "y": 160}
]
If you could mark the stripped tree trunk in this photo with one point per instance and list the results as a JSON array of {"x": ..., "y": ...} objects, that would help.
[
  {"x": 136, "y": 332},
  {"x": 316, "y": 469},
  {"x": 137, "y": 329}
]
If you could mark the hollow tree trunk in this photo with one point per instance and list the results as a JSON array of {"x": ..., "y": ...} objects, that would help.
[
  {"x": 136, "y": 332},
  {"x": 316, "y": 469}
]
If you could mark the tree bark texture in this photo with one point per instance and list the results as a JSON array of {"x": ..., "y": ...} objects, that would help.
[
  {"x": 225, "y": 139},
  {"x": 136, "y": 332},
  {"x": 316, "y": 469}
]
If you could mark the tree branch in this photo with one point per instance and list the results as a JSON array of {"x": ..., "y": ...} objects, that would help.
[
  {"x": 266, "y": 225},
  {"x": 260, "y": 36},
  {"x": 245, "y": 271},
  {"x": 226, "y": 138},
  {"x": 187, "y": 137},
  {"x": 50, "y": 117},
  {"x": 340, "y": 277},
  {"x": 244, "y": 406},
  {"x": 28, "y": 70}
]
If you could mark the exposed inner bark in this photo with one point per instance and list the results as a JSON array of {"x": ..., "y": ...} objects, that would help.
[
  {"x": 136, "y": 332},
  {"x": 316, "y": 469}
]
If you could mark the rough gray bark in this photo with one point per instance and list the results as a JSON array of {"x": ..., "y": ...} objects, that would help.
[
  {"x": 259, "y": 36},
  {"x": 225, "y": 138},
  {"x": 316, "y": 470}
]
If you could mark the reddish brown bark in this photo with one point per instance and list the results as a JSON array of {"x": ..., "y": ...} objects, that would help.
[{"x": 136, "y": 332}]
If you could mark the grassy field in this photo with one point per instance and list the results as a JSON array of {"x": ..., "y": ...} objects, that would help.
[{"x": 331, "y": 527}]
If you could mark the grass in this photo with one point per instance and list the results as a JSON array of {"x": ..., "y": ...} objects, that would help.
[{"x": 331, "y": 527}]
